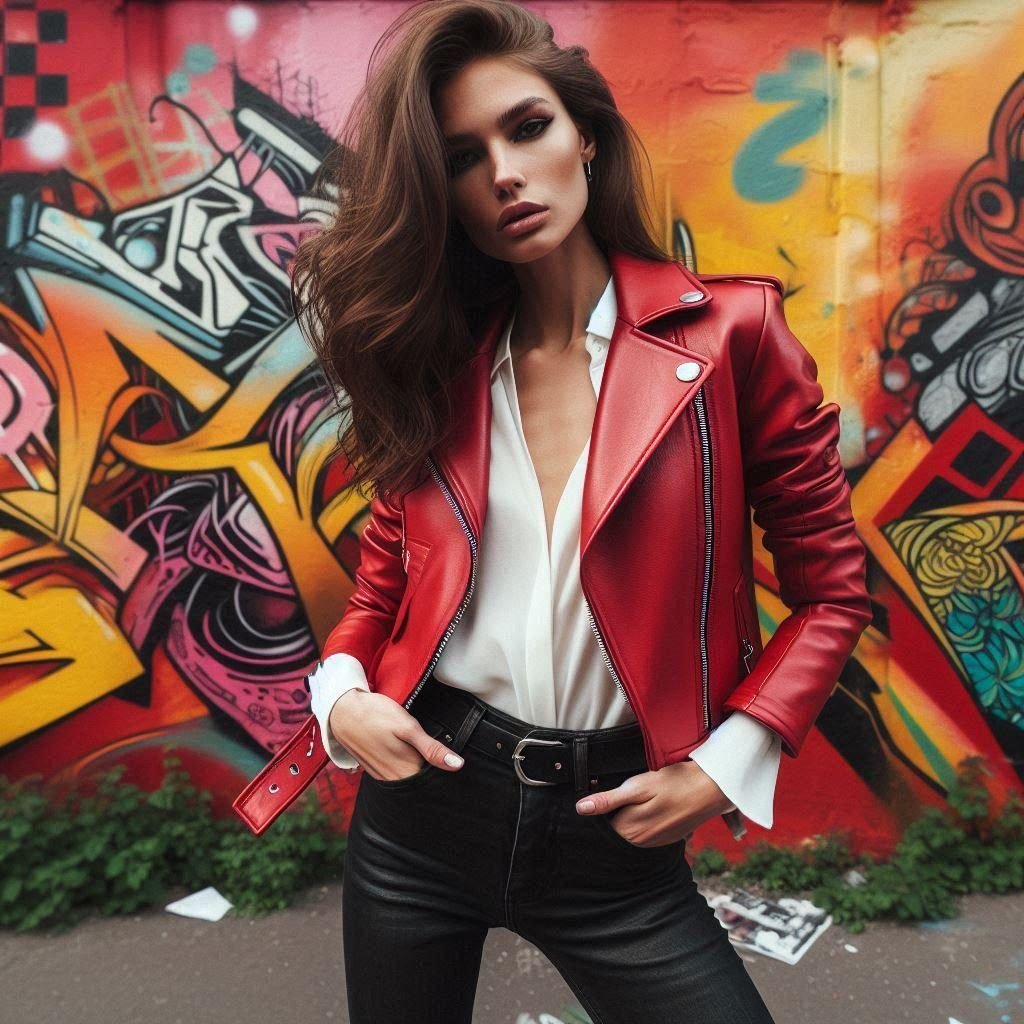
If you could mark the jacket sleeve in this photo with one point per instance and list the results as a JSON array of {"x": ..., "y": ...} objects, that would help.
[
  {"x": 369, "y": 615},
  {"x": 796, "y": 483}
]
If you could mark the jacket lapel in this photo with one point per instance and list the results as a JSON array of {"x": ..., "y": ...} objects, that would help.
[
  {"x": 640, "y": 397},
  {"x": 465, "y": 460}
]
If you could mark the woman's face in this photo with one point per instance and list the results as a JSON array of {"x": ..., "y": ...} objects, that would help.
[{"x": 503, "y": 151}]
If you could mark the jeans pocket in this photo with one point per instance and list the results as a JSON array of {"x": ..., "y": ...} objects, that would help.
[
  {"x": 604, "y": 822},
  {"x": 406, "y": 780},
  {"x": 425, "y": 771}
]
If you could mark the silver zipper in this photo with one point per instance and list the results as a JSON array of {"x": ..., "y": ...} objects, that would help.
[
  {"x": 748, "y": 650},
  {"x": 604, "y": 651},
  {"x": 708, "y": 527},
  {"x": 705, "y": 446},
  {"x": 469, "y": 592}
]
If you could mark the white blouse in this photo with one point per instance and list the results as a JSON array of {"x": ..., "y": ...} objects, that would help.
[{"x": 524, "y": 644}]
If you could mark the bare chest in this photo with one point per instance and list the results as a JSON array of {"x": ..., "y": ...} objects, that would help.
[{"x": 556, "y": 406}]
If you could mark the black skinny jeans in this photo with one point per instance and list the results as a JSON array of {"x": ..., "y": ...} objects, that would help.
[{"x": 437, "y": 858}]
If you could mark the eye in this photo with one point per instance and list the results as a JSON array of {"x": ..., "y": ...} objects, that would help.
[
  {"x": 454, "y": 167},
  {"x": 531, "y": 129},
  {"x": 542, "y": 121}
]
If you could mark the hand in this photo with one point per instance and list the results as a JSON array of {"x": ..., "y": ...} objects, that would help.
[
  {"x": 661, "y": 807},
  {"x": 386, "y": 740}
]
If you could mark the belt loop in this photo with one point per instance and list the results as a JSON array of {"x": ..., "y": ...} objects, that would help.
[
  {"x": 579, "y": 760},
  {"x": 476, "y": 712}
]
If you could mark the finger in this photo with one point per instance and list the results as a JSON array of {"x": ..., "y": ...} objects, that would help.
[
  {"x": 629, "y": 791},
  {"x": 602, "y": 802},
  {"x": 435, "y": 752}
]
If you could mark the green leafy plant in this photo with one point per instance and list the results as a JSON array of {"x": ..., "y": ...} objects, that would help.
[
  {"x": 963, "y": 848},
  {"x": 264, "y": 873},
  {"x": 781, "y": 870},
  {"x": 118, "y": 849},
  {"x": 709, "y": 861}
]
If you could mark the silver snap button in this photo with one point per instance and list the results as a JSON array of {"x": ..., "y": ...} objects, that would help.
[
  {"x": 691, "y": 296},
  {"x": 688, "y": 371},
  {"x": 498, "y": 744}
]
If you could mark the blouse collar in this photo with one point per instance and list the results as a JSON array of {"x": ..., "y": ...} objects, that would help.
[{"x": 599, "y": 329}]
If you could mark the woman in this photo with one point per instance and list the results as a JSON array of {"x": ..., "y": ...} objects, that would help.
[{"x": 555, "y": 595}]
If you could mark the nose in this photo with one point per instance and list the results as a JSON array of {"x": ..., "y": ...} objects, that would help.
[{"x": 506, "y": 177}]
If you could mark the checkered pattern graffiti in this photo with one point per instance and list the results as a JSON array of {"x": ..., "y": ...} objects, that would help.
[{"x": 34, "y": 70}]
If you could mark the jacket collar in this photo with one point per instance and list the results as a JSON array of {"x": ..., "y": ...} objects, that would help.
[
  {"x": 641, "y": 393},
  {"x": 644, "y": 290}
]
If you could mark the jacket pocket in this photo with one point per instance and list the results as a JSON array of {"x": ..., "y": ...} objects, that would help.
[
  {"x": 747, "y": 632},
  {"x": 414, "y": 554}
]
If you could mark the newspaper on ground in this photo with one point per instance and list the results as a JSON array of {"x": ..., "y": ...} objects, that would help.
[{"x": 783, "y": 929}]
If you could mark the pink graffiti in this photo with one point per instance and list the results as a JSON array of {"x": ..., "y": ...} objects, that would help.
[{"x": 25, "y": 404}]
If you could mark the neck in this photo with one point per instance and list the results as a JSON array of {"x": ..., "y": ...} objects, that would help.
[{"x": 558, "y": 293}]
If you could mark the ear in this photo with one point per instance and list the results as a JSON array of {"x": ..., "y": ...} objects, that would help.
[{"x": 588, "y": 143}]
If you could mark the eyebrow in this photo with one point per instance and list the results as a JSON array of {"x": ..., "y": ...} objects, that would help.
[{"x": 510, "y": 115}]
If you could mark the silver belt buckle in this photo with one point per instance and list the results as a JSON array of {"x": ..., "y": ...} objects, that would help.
[{"x": 517, "y": 757}]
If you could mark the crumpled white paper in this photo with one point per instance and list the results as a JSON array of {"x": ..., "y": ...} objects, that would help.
[{"x": 207, "y": 905}]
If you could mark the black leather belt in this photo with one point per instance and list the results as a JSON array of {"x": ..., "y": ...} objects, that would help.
[{"x": 539, "y": 756}]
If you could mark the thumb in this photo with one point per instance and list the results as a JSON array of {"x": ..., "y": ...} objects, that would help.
[
  {"x": 602, "y": 802},
  {"x": 435, "y": 752}
]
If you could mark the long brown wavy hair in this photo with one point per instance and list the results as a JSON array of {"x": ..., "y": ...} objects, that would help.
[{"x": 391, "y": 292}]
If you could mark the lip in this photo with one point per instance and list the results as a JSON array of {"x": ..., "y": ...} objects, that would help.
[
  {"x": 524, "y": 225},
  {"x": 517, "y": 210}
]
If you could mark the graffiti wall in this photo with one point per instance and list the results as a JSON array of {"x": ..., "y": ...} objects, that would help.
[{"x": 175, "y": 543}]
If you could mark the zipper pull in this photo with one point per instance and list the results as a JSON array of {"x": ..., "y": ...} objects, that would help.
[{"x": 748, "y": 650}]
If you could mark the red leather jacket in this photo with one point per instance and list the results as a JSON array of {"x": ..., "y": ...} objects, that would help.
[{"x": 708, "y": 406}]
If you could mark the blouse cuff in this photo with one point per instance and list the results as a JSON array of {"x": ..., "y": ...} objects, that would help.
[
  {"x": 742, "y": 756},
  {"x": 335, "y": 676}
]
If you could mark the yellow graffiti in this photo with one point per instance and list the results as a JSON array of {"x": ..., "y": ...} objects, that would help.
[
  {"x": 92, "y": 393},
  {"x": 959, "y": 548},
  {"x": 52, "y": 622}
]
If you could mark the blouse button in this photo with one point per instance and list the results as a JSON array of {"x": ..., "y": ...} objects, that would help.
[{"x": 688, "y": 371}]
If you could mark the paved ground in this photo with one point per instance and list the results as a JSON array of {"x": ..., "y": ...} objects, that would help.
[{"x": 158, "y": 968}]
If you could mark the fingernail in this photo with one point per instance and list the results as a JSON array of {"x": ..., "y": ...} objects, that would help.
[
  {"x": 586, "y": 806},
  {"x": 453, "y": 759}
]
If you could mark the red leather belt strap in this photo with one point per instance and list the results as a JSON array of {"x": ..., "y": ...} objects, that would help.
[{"x": 284, "y": 777}]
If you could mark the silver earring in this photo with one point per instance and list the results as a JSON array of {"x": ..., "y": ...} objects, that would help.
[{"x": 590, "y": 176}]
